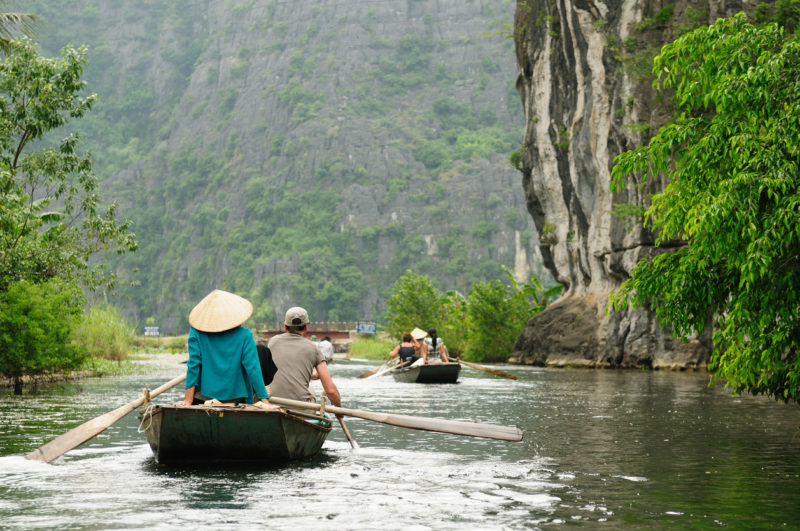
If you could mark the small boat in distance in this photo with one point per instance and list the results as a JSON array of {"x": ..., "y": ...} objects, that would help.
[
  {"x": 226, "y": 433},
  {"x": 434, "y": 373}
]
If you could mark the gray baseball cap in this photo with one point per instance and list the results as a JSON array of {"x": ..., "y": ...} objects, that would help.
[{"x": 296, "y": 316}]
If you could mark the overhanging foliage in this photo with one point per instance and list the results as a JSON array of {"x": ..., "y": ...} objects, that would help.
[{"x": 732, "y": 158}]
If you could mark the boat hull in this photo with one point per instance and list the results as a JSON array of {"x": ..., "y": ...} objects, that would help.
[
  {"x": 179, "y": 434},
  {"x": 435, "y": 373}
]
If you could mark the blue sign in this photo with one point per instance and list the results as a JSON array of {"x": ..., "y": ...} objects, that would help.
[
  {"x": 152, "y": 331},
  {"x": 366, "y": 328}
]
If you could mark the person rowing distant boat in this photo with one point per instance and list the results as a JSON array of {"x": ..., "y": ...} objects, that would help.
[{"x": 407, "y": 350}]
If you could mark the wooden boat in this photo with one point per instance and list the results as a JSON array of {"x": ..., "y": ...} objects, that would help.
[
  {"x": 179, "y": 434},
  {"x": 435, "y": 373}
]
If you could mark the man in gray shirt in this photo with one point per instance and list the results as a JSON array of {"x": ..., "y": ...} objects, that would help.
[{"x": 297, "y": 358}]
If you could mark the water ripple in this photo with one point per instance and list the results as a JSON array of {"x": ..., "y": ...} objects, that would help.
[{"x": 602, "y": 448}]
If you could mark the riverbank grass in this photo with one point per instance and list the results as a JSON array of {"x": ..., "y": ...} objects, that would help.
[
  {"x": 371, "y": 347},
  {"x": 173, "y": 344},
  {"x": 104, "y": 333}
]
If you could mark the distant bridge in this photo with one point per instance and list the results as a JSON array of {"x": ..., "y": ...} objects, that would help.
[{"x": 334, "y": 329}]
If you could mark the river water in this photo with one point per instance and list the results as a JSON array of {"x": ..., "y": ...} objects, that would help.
[{"x": 602, "y": 449}]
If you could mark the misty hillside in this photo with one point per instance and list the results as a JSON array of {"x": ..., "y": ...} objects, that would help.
[{"x": 302, "y": 152}]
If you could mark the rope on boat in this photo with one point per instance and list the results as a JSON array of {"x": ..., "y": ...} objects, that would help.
[{"x": 146, "y": 414}]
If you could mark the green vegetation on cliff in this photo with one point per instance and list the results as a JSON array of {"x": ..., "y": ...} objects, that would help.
[
  {"x": 301, "y": 153},
  {"x": 732, "y": 205}
]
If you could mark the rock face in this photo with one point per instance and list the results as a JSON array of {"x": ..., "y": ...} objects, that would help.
[
  {"x": 219, "y": 122},
  {"x": 586, "y": 89}
]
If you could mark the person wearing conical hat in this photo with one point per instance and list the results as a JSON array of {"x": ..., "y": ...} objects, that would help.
[
  {"x": 299, "y": 360},
  {"x": 223, "y": 360}
]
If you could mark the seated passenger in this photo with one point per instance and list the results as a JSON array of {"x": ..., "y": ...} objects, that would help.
[
  {"x": 407, "y": 350},
  {"x": 223, "y": 360},
  {"x": 299, "y": 361},
  {"x": 433, "y": 350}
]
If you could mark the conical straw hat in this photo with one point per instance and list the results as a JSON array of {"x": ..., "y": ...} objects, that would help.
[
  {"x": 220, "y": 311},
  {"x": 418, "y": 334}
]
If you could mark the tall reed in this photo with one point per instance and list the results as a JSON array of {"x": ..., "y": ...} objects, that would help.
[{"x": 104, "y": 333}]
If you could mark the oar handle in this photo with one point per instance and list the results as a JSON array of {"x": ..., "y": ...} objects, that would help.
[
  {"x": 167, "y": 386},
  {"x": 488, "y": 431}
]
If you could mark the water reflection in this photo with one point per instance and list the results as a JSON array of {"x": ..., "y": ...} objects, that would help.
[{"x": 615, "y": 449}]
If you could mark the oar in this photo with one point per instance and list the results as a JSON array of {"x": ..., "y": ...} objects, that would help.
[
  {"x": 79, "y": 435},
  {"x": 373, "y": 371},
  {"x": 353, "y": 443},
  {"x": 472, "y": 429},
  {"x": 386, "y": 370},
  {"x": 487, "y": 369},
  {"x": 398, "y": 366}
]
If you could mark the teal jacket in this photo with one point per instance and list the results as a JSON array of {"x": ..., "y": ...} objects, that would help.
[{"x": 224, "y": 365}]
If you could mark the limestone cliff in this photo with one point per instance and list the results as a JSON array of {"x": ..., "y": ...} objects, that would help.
[
  {"x": 583, "y": 76},
  {"x": 302, "y": 152}
]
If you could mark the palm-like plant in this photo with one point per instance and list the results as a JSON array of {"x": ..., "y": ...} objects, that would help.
[{"x": 14, "y": 24}]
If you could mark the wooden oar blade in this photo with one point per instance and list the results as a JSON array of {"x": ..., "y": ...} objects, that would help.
[
  {"x": 380, "y": 372},
  {"x": 487, "y": 369},
  {"x": 387, "y": 370},
  {"x": 472, "y": 429},
  {"x": 372, "y": 372},
  {"x": 80, "y": 434}
]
